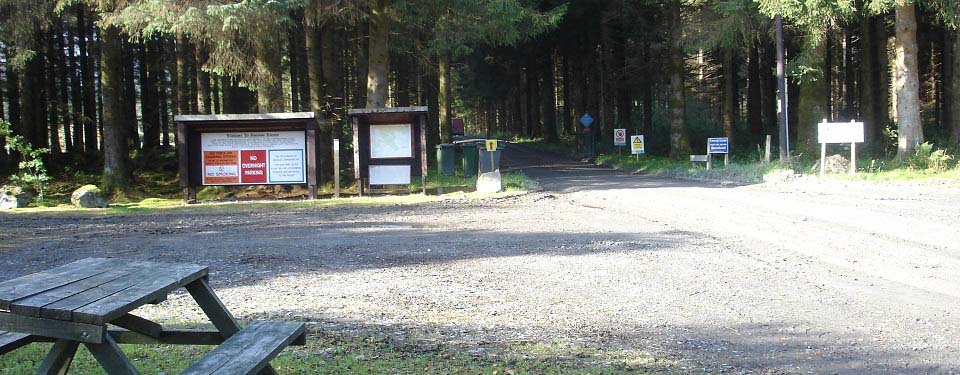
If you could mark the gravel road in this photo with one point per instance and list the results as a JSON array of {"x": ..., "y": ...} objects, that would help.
[{"x": 792, "y": 277}]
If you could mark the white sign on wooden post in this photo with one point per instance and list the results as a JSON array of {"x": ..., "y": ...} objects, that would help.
[{"x": 839, "y": 132}]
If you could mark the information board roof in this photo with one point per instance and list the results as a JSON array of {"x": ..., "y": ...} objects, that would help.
[{"x": 245, "y": 117}]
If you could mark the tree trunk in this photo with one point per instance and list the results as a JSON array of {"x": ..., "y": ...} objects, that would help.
[
  {"x": 76, "y": 94},
  {"x": 548, "y": 97},
  {"x": 318, "y": 98},
  {"x": 869, "y": 84},
  {"x": 52, "y": 91},
  {"x": 885, "y": 88},
  {"x": 204, "y": 100},
  {"x": 444, "y": 98},
  {"x": 162, "y": 89},
  {"x": 115, "y": 145},
  {"x": 270, "y": 93},
  {"x": 34, "y": 126},
  {"x": 679, "y": 145},
  {"x": 150, "y": 71},
  {"x": 813, "y": 104},
  {"x": 849, "y": 79},
  {"x": 13, "y": 95},
  {"x": 568, "y": 122},
  {"x": 332, "y": 83},
  {"x": 215, "y": 94},
  {"x": 294, "y": 69},
  {"x": 954, "y": 82},
  {"x": 378, "y": 68},
  {"x": 402, "y": 71},
  {"x": 906, "y": 81},
  {"x": 129, "y": 97},
  {"x": 754, "y": 91},
  {"x": 185, "y": 93},
  {"x": 84, "y": 38},
  {"x": 729, "y": 94},
  {"x": 63, "y": 87}
]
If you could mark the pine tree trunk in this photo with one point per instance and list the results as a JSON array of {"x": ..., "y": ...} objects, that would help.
[
  {"x": 184, "y": 61},
  {"x": 869, "y": 84},
  {"x": 679, "y": 145},
  {"x": 215, "y": 94},
  {"x": 444, "y": 97},
  {"x": 53, "y": 92},
  {"x": 907, "y": 81},
  {"x": 163, "y": 85},
  {"x": 294, "y": 69},
  {"x": 378, "y": 68},
  {"x": 624, "y": 97},
  {"x": 76, "y": 96},
  {"x": 729, "y": 95},
  {"x": 204, "y": 100},
  {"x": 34, "y": 125},
  {"x": 64, "y": 89},
  {"x": 885, "y": 105},
  {"x": 332, "y": 81},
  {"x": 813, "y": 105},
  {"x": 849, "y": 79},
  {"x": 568, "y": 122},
  {"x": 548, "y": 97},
  {"x": 402, "y": 71},
  {"x": 88, "y": 86},
  {"x": 270, "y": 93},
  {"x": 754, "y": 91},
  {"x": 13, "y": 95},
  {"x": 302, "y": 71},
  {"x": 130, "y": 95},
  {"x": 150, "y": 113},
  {"x": 954, "y": 82},
  {"x": 318, "y": 98},
  {"x": 114, "y": 134}
]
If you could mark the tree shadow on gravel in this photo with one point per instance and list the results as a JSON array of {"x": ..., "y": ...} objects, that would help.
[{"x": 775, "y": 348}]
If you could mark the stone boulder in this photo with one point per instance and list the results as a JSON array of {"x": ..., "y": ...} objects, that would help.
[
  {"x": 88, "y": 196},
  {"x": 836, "y": 164},
  {"x": 13, "y": 197}
]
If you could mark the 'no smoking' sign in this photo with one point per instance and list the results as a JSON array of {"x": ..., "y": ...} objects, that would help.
[{"x": 619, "y": 137}]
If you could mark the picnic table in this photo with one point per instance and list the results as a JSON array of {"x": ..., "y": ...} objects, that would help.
[{"x": 90, "y": 302}]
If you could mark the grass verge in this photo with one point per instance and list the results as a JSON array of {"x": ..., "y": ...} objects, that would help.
[
  {"x": 660, "y": 166},
  {"x": 335, "y": 353}
]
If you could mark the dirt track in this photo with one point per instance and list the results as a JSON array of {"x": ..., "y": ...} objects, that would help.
[{"x": 792, "y": 277}]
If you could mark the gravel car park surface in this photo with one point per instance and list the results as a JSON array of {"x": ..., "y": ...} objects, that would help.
[{"x": 791, "y": 277}]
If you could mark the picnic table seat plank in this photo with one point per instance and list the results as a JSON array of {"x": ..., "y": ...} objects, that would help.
[
  {"x": 250, "y": 350},
  {"x": 39, "y": 282},
  {"x": 31, "y": 305},
  {"x": 10, "y": 341}
]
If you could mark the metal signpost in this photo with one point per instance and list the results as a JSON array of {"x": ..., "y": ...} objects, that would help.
[
  {"x": 718, "y": 146},
  {"x": 637, "y": 145},
  {"x": 586, "y": 120},
  {"x": 839, "y": 132}
]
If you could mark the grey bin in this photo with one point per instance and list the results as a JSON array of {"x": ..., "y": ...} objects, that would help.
[
  {"x": 446, "y": 159},
  {"x": 486, "y": 164}
]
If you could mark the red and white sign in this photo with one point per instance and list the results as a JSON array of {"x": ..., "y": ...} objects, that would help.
[
  {"x": 253, "y": 158},
  {"x": 619, "y": 137}
]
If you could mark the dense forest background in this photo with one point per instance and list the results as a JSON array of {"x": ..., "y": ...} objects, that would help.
[{"x": 98, "y": 82}]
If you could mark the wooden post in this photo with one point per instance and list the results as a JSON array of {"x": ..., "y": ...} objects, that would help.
[
  {"x": 183, "y": 156},
  {"x": 766, "y": 152},
  {"x": 709, "y": 158},
  {"x": 823, "y": 158},
  {"x": 336, "y": 168},
  {"x": 312, "y": 157},
  {"x": 356, "y": 154},
  {"x": 853, "y": 157},
  {"x": 726, "y": 160},
  {"x": 423, "y": 152}
]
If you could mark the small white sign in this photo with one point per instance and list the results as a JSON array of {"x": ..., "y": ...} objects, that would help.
[
  {"x": 619, "y": 137},
  {"x": 637, "y": 145},
  {"x": 389, "y": 174},
  {"x": 840, "y": 132}
]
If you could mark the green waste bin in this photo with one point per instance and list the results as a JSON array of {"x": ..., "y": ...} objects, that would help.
[
  {"x": 469, "y": 156},
  {"x": 445, "y": 159}
]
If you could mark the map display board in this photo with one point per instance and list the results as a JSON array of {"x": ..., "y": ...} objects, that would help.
[
  {"x": 253, "y": 158},
  {"x": 391, "y": 141}
]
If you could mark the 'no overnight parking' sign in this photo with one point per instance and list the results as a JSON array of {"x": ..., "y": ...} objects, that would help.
[{"x": 253, "y": 158}]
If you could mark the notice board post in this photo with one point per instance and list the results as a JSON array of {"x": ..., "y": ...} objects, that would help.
[
  {"x": 247, "y": 149},
  {"x": 389, "y": 145}
]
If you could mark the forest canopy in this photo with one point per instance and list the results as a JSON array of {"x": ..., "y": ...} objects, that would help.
[{"x": 98, "y": 83}]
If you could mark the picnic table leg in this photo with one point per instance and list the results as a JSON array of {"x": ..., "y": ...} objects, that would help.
[
  {"x": 217, "y": 312},
  {"x": 58, "y": 360},
  {"x": 111, "y": 358}
]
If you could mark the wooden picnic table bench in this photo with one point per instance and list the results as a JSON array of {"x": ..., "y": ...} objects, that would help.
[{"x": 78, "y": 303}]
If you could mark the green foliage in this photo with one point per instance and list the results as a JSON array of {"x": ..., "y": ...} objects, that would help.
[
  {"x": 31, "y": 172},
  {"x": 928, "y": 158}
]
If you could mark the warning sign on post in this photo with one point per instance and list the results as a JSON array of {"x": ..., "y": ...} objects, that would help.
[
  {"x": 247, "y": 158},
  {"x": 637, "y": 145}
]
